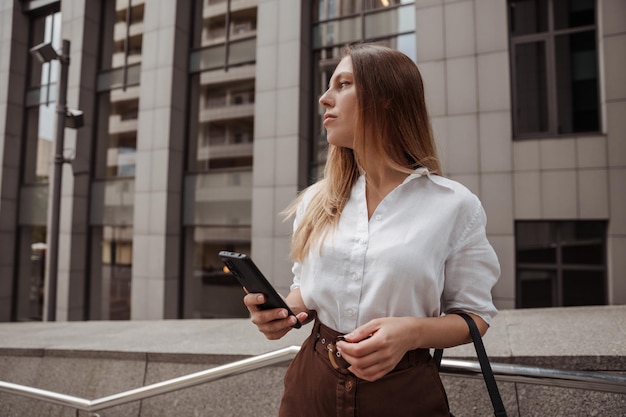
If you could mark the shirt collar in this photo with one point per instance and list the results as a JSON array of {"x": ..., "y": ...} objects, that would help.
[{"x": 423, "y": 171}]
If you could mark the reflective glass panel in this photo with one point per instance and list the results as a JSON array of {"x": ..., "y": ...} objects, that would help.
[
  {"x": 383, "y": 4},
  {"x": 329, "y": 9},
  {"x": 36, "y": 167},
  {"x": 217, "y": 209},
  {"x": 583, "y": 288},
  {"x": 119, "y": 78},
  {"x": 577, "y": 83},
  {"x": 118, "y": 84},
  {"x": 536, "y": 289},
  {"x": 117, "y": 133},
  {"x": 31, "y": 269},
  {"x": 531, "y": 88},
  {"x": 219, "y": 199},
  {"x": 210, "y": 291},
  {"x": 337, "y": 32},
  {"x": 34, "y": 204},
  {"x": 528, "y": 16},
  {"x": 242, "y": 52},
  {"x": 576, "y": 13},
  {"x": 208, "y": 58},
  {"x": 41, "y": 102},
  {"x": 561, "y": 263},
  {"x": 390, "y": 22},
  {"x": 115, "y": 285},
  {"x": 406, "y": 44}
]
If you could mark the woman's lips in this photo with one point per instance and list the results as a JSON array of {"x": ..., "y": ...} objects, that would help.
[{"x": 329, "y": 118}]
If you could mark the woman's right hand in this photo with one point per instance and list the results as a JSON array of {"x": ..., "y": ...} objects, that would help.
[{"x": 273, "y": 323}]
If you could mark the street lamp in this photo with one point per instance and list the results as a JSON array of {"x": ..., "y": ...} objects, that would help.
[{"x": 45, "y": 52}]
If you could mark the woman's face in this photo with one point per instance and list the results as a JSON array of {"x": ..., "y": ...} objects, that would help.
[{"x": 340, "y": 102}]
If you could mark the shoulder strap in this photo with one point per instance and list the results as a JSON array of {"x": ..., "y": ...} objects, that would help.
[{"x": 485, "y": 366}]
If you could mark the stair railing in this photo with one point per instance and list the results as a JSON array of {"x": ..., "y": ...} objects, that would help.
[{"x": 592, "y": 381}]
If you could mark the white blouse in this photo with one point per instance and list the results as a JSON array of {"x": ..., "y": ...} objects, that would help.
[{"x": 424, "y": 252}]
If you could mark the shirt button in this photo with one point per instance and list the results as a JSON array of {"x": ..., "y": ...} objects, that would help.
[
  {"x": 362, "y": 241},
  {"x": 350, "y": 312},
  {"x": 348, "y": 385},
  {"x": 354, "y": 277},
  {"x": 379, "y": 217}
]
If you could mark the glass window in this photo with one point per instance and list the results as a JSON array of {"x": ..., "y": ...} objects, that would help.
[
  {"x": 531, "y": 88},
  {"x": 222, "y": 38},
  {"x": 330, "y": 9},
  {"x": 536, "y": 288},
  {"x": 111, "y": 271},
  {"x": 555, "y": 68},
  {"x": 38, "y": 160},
  {"x": 41, "y": 102},
  {"x": 571, "y": 14},
  {"x": 337, "y": 32},
  {"x": 561, "y": 263},
  {"x": 218, "y": 182},
  {"x": 212, "y": 292},
  {"x": 32, "y": 269},
  {"x": 118, "y": 85},
  {"x": 528, "y": 16},
  {"x": 383, "y": 4},
  {"x": 112, "y": 195},
  {"x": 242, "y": 52},
  {"x": 577, "y": 82},
  {"x": 390, "y": 22}
]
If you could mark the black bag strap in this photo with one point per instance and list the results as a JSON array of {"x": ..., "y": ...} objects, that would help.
[{"x": 485, "y": 366}]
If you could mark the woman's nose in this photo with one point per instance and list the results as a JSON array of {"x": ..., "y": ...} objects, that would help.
[{"x": 325, "y": 99}]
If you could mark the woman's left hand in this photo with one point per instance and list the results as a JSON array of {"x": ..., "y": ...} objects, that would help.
[{"x": 376, "y": 347}]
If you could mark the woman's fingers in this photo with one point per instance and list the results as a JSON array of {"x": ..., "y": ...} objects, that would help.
[
  {"x": 252, "y": 301},
  {"x": 273, "y": 323}
]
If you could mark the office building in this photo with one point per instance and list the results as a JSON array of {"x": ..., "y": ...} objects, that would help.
[{"x": 201, "y": 124}]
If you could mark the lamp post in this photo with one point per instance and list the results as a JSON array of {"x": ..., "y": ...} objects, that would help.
[{"x": 45, "y": 52}]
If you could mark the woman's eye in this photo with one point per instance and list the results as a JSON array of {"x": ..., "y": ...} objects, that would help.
[{"x": 343, "y": 84}]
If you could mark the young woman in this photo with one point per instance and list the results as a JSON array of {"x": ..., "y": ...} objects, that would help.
[{"x": 384, "y": 249}]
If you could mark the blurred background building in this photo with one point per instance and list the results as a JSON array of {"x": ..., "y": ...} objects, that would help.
[{"x": 202, "y": 124}]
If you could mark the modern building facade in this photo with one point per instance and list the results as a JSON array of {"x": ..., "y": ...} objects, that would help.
[{"x": 201, "y": 124}]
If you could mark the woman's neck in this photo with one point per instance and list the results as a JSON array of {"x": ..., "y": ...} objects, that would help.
[
  {"x": 382, "y": 177},
  {"x": 378, "y": 183}
]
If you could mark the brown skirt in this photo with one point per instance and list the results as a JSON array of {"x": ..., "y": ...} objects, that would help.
[{"x": 314, "y": 388}]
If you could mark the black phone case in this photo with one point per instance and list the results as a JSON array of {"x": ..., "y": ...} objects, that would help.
[{"x": 249, "y": 276}]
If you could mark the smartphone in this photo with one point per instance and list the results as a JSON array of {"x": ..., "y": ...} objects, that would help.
[{"x": 249, "y": 276}]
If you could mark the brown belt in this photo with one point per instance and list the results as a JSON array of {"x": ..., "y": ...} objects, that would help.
[{"x": 326, "y": 340}]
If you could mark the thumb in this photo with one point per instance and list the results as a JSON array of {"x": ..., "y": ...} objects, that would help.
[{"x": 362, "y": 332}]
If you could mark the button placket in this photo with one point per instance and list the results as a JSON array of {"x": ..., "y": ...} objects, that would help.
[{"x": 349, "y": 384}]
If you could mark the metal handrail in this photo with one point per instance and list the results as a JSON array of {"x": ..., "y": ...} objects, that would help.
[
  {"x": 592, "y": 381},
  {"x": 186, "y": 381}
]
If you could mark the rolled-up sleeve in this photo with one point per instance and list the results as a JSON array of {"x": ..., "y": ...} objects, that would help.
[
  {"x": 297, "y": 266},
  {"x": 471, "y": 269}
]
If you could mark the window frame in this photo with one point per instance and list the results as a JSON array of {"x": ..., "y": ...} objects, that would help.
[
  {"x": 560, "y": 266},
  {"x": 548, "y": 37}
]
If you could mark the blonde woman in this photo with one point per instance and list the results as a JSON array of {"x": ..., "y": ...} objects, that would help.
[{"x": 384, "y": 250}]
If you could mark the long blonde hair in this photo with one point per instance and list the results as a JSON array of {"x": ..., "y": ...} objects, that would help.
[{"x": 392, "y": 122}]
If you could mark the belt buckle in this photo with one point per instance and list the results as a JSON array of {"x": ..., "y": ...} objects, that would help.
[{"x": 336, "y": 360}]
